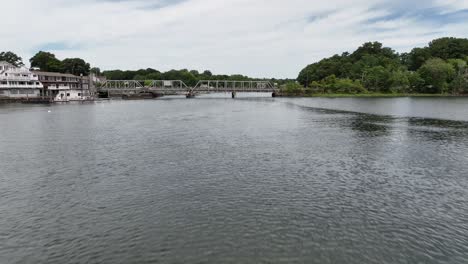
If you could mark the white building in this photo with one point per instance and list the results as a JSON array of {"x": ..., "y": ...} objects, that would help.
[
  {"x": 63, "y": 87},
  {"x": 18, "y": 82}
]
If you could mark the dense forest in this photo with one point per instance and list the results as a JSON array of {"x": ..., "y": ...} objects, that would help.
[{"x": 439, "y": 68}]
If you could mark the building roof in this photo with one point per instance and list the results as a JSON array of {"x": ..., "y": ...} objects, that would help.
[
  {"x": 7, "y": 63},
  {"x": 55, "y": 74}
]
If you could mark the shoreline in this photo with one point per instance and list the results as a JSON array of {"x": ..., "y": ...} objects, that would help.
[{"x": 370, "y": 95}]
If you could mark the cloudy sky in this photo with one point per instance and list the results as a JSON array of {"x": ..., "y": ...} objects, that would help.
[{"x": 260, "y": 38}]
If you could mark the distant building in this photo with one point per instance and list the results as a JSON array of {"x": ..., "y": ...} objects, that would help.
[
  {"x": 18, "y": 82},
  {"x": 97, "y": 78},
  {"x": 63, "y": 87}
]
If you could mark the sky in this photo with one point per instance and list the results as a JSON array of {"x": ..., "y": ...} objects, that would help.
[{"x": 258, "y": 38}]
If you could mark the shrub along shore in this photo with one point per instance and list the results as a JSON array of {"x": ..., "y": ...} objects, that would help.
[{"x": 440, "y": 69}]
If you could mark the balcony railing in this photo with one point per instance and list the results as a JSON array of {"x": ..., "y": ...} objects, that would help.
[{"x": 19, "y": 78}]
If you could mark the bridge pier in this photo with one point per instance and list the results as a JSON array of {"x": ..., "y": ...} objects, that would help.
[
  {"x": 190, "y": 95},
  {"x": 234, "y": 95}
]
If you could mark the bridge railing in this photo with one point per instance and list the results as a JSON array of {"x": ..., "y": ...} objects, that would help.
[
  {"x": 233, "y": 86},
  {"x": 143, "y": 84},
  {"x": 121, "y": 85},
  {"x": 180, "y": 86}
]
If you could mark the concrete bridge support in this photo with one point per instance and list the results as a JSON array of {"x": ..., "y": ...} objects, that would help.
[{"x": 190, "y": 95}]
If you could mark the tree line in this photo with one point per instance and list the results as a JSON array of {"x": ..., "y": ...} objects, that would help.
[
  {"x": 189, "y": 77},
  {"x": 47, "y": 61},
  {"x": 439, "y": 68}
]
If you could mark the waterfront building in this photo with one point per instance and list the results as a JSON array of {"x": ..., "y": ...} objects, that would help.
[
  {"x": 64, "y": 87},
  {"x": 18, "y": 82}
]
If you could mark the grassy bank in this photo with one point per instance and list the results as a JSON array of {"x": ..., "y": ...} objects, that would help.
[{"x": 369, "y": 95}]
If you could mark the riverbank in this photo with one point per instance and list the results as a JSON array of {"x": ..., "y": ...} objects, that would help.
[
  {"x": 369, "y": 95},
  {"x": 38, "y": 100}
]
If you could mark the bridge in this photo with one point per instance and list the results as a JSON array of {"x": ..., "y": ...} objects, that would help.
[{"x": 177, "y": 87}]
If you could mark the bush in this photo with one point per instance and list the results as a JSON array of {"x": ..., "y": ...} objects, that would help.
[
  {"x": 436, "y": 74},
  {"x": 293, "y": 88},
  {"x": 331, "y": 84}
]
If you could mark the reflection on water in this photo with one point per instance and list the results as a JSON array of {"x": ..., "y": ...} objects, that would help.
[{"x": 251, "y": 180}]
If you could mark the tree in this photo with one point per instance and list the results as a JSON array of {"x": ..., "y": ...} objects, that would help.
[
  {"x": 436, "y": 74},
  {"x": 459, "y": 65},
  {"x": 195, "y": 73},
  {"x": 399, "y": 81},
  {"x": 449, "y": 48},
  {"x": 293, "y": 88},
  {"x": 417, "y": 57},
  {"x": 459, "y": 85},
  {"x": 374, "y": 48},
  {"x": 96, "y": 71},
  {"x": 46, "y": 61},
  {"x": 207, "y": 73},
  {"x": 377, "y": 79},
  {"x": 12, "y": 58},
  {"x": 460, "y": 82},
  {"x": 416, "y": 82},
  {"x": 75, "y": 66}
]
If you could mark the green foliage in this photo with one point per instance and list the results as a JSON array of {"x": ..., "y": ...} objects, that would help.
[
  {"x": 439, "y": 68},
  {"x": 12, "y": 58},
  {"x": 459, "y": 85},
  {"x": 95, "y": 70},
  {"x": 437, "y": 74},
  {"x": 293, "y": 88},
  {"x": 417, "y": 57},
  {"x": 46, "y": 61},
  {"x": 332, "y": 84},
  {"x": 377, "y": 79},
  {"x": 75, "y": 66},
  {"x": 399, "y": 81},
  {"x": 190, "y": 78},
  {"x": 449, "y": 48},
  {"x": 459, "y": 65},
  {"x": 416, "y": 82},
  {"x": 352, "y": 66}
]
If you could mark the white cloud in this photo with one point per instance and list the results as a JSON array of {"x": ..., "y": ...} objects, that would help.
[
  {"x": 450, "y": 6},
  {"x": 261, "y": 38}
]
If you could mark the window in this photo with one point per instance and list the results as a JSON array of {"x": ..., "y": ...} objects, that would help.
[
  {"x": 1, "y": 91},
  {"x": 4, "y": 82},
  {"x": 13, "y": 91},
  {"x": 79, "y": 94},
  {"x": 68, "y": 94}
]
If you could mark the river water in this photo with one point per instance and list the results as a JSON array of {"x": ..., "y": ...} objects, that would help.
[{"x": 251, "y": 180}]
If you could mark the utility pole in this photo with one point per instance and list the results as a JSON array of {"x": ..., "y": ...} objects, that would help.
[{"x": 81, "y": 84}]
